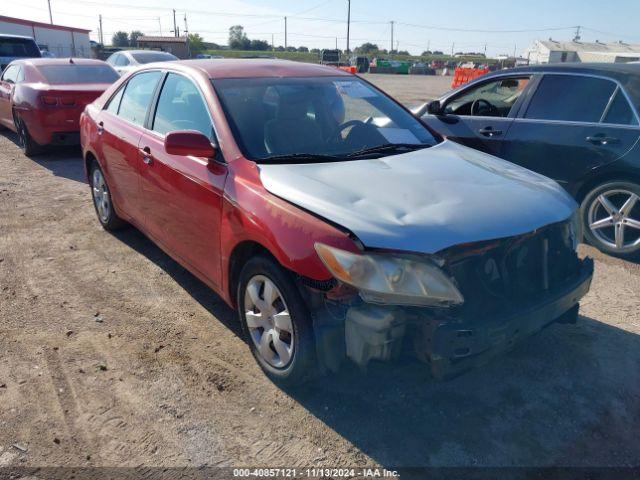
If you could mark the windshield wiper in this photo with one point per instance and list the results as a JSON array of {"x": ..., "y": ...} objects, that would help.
[
  {"x": 301, "y": 158},
  {"x": 388, "y": 148}
]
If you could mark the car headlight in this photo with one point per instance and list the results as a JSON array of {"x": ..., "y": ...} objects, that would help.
[
  {"x": 391, "y": 279},
  {"x": 575, "y": 228}
]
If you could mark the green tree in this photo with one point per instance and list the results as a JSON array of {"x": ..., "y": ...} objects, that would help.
[
  {"x": 259, "y": 45},
  {"x": 120, "y": 39},
  {"x": 196, "y": 43},
  {"x": 368, "y": 47},
  {"x": 303, "y": 49},
  {"x": 238, "y": 39},
  {"x": 133, "y": 38}
]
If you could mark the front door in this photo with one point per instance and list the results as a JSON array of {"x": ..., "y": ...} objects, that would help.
[
  {"x": 481, "y": 115},
  {"x": 182, "y": 196},
  {"x": 572, "y": 125},
  {"x": 121, "y": 124}
]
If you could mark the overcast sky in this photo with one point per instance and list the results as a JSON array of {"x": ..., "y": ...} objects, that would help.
[{"x": 469, "y": 24}]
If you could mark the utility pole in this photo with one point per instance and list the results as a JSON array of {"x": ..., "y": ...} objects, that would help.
[
  {"x": 50, "y": 16},
  {"x": 392, "y": 22},
  {"x": 175, "y": 26},
  {"x": 336, "y": 43},
  {"x": 186, "y": 35},
  {"x": 101, "y": 31},
  {"x": 453, "y": 46},
  {"x": 485, "y": 49},
  {"x": 273, "y": 45},
  {"x": 577, "y": 37},
  {"x": 515, "y": 47},
  {"x": 160, "y": 25},
  {"x": 285, "y": 33},
  {"x": 348, "y": 22}
]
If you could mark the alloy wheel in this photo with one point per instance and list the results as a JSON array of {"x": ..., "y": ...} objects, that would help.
[
  {"x": 269, "y": 321},
  {"x": 101, "y": 196},
  {"x": 614, "y": 219}
]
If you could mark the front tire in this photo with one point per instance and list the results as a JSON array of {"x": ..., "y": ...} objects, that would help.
[
  {"x": 276, "y": 322},
  {"x": 611, "y": 218},
  {"x": 102, "y": 201}
]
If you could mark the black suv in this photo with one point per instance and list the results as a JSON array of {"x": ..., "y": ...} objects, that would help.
[{"x": 575, "y": 123}]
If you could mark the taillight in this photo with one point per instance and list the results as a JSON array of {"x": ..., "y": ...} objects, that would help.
[
  {"x": 67, "y": 102},
  {"x": 49, "y": 101}
]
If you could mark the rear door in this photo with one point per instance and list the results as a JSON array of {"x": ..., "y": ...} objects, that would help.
[
  {"x": 121, "y": 124},
  {"x": 7, "y": 84},
  {"x": 480, "y": 116},
  {"x": 571, "y": 125},
  {"x": 182, "y": 196}
]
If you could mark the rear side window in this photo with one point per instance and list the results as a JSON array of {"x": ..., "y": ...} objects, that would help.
[
  {"x": 61, "y": 74},
  {"x": 620, "y": 112},
  {"x": 11, "y": 73},
  {"x": 137, "y": 97},
  {"x": 571, "y": 98},
  {"x": 181, "y": 107},
  {"x": 18, "y": 48}
]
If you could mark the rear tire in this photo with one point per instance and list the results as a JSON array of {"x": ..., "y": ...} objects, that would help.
[
  {"x": 28, "y": 145},
  {"x": 611, "y": 218},
  {"x": 279, "y": 330},
  {"x": 102, "y": 200}
]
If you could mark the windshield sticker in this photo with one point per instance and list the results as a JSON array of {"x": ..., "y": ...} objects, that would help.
[
  {"x": 354, "y": 89},
  {"x": 399, "y": 135}
]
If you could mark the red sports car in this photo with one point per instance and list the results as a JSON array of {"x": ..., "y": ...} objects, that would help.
[
  {"x": 42, "y": 98},
  {"x": 336, "y": 223}
]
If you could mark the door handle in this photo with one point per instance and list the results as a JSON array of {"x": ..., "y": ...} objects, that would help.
[
  {"x": 601, "y": 139},
  {"x": 146, "y": 155},
  {"x": 490, "y": 132},
  {"x": 100, "y": 128}
]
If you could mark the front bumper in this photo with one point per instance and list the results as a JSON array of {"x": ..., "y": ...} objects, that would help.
[
  {"x": 459, "y": 346},
  {"x": 449, "y": 342}
]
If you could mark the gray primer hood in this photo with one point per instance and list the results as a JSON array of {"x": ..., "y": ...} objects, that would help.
[{"x": 423, "y": 201}]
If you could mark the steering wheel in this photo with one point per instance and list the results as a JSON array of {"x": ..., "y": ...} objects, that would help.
[
  {"x": 475, "y": 106},
  {"x": 333, "y": 136}
]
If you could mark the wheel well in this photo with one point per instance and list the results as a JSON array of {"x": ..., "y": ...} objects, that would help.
[
  {"x": 88, "y": 160},
  {"x": 239, "y": 257},
  {"x": 601, "y": 179}
]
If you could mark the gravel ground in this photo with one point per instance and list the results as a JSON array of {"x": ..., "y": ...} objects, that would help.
[{"x": 111, "y": 354}]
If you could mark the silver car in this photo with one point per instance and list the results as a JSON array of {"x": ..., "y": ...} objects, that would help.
[{"x": 126, "y": 61}]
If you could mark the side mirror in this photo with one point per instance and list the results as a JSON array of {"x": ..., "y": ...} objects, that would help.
[
  {"x": 434, "y": 108},
  {"x": 189, "y": 143}
]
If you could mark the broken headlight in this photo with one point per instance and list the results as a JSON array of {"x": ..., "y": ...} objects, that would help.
[{"x": 391, "y": 279}]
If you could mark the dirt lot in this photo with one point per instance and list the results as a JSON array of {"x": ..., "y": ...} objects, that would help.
[{"x": 113, "y": 355}]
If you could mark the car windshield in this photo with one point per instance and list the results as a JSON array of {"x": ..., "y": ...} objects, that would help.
[
  {"x": 274, "y": 118},
  {"x": 61, "y": 74},
  {"x": 18, "y": 48},
  {"x": 149, "y": 57}
]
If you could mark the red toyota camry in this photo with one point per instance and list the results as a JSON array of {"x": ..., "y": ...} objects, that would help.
[
  {"x": 42, "y": 98},
  {"x": 334, "y": 221}
]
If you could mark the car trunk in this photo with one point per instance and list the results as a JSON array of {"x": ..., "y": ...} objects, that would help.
[{"x": 65, "y": 103}]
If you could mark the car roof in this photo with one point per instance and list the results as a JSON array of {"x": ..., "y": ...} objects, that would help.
[
  {"x": 21, "y": 37},
  {"x": 255, "y": 68},
  {"x": 39, "y": 62},
  {"x": 615, "y": 70}
]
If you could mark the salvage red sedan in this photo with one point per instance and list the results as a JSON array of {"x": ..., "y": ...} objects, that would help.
[
  {"x": 41, "y": 99},
  {"x": 335, "y": 222}
]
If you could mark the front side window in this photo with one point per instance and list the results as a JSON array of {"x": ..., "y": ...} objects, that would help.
[
  {"x": 181, "y": 107},
  {"x": 137, "y": 97},
  {"x": 571, "y": 98},
  {"x": 491, "y": 99},
  {"x": 61, "y": 74},
  {"x": 337, "y": 116}
]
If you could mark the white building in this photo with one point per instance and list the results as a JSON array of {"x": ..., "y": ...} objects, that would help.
[
  {"x": 59, "y": 40},
  {"x": 552, "y": 51}
]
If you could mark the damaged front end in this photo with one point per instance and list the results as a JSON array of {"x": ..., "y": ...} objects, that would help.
[{"x": 453, "y": 310}]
